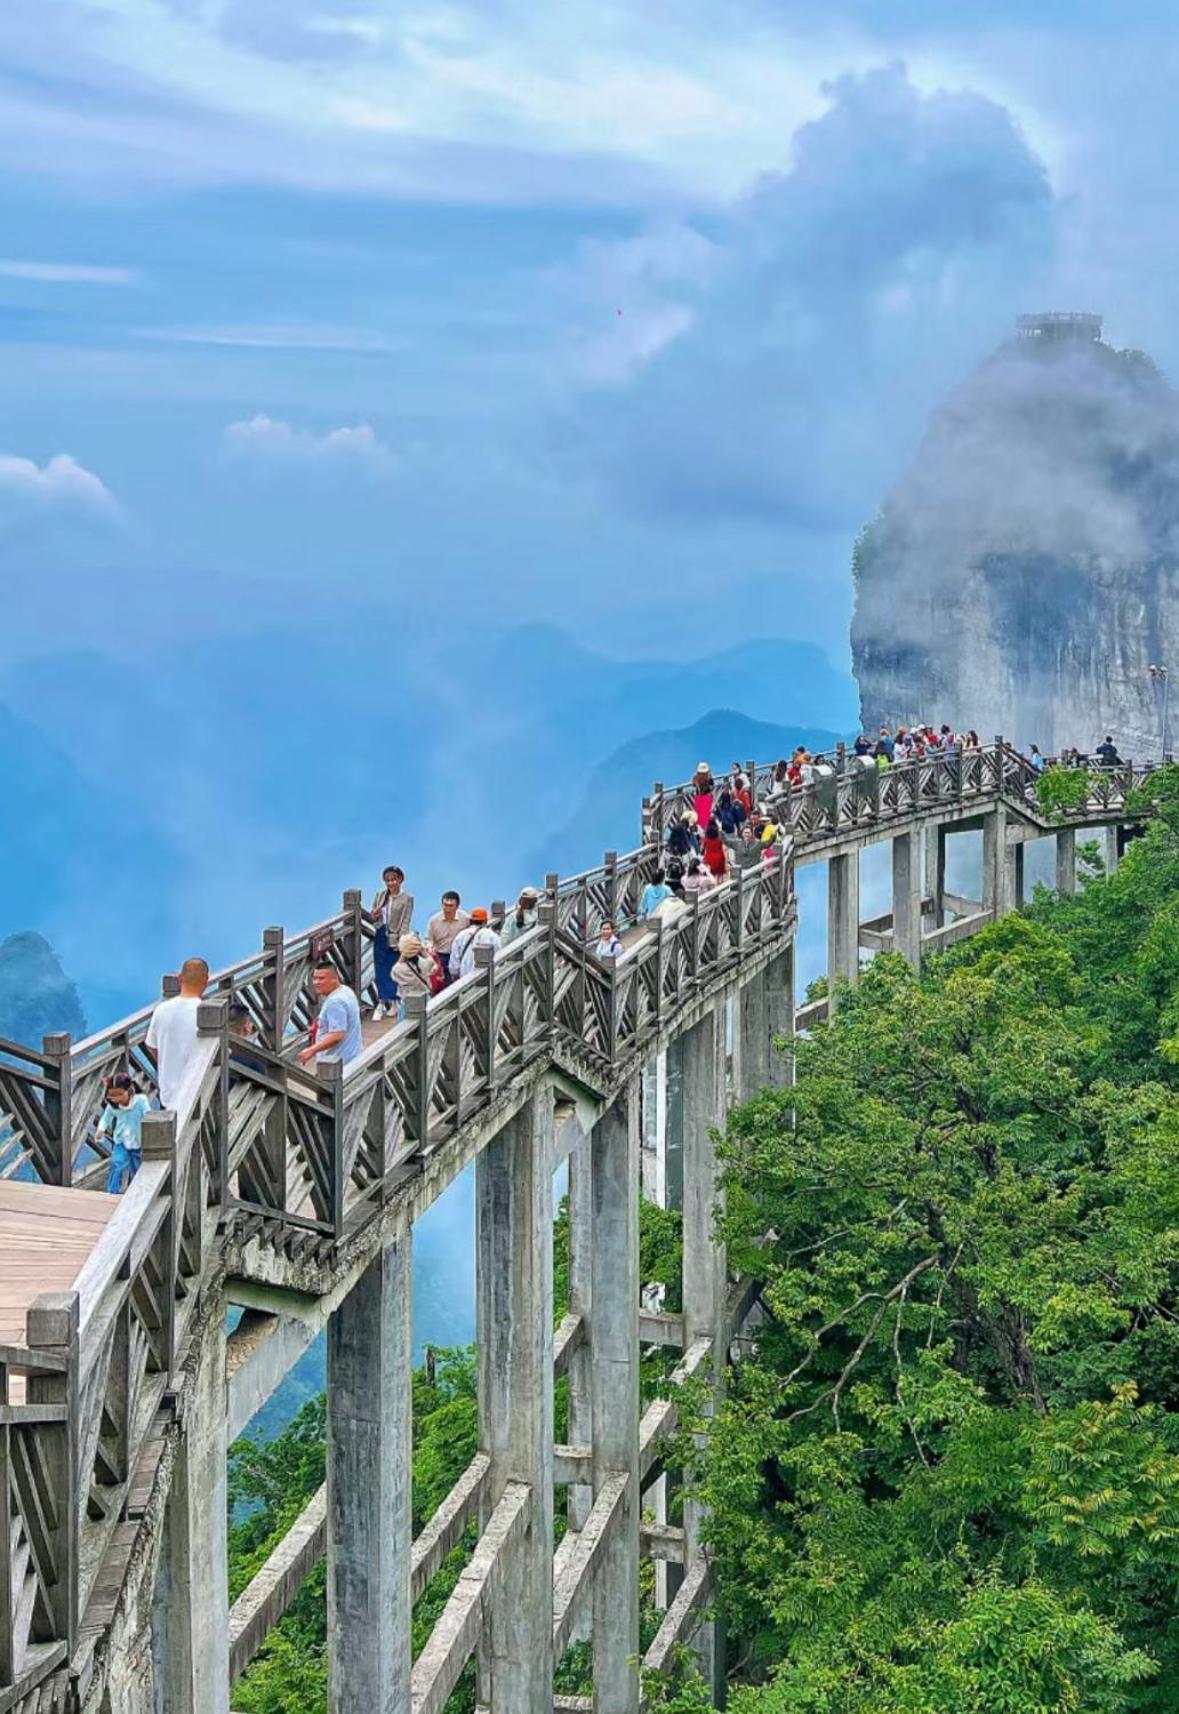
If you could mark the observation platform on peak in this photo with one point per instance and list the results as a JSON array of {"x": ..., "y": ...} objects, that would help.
[{"x": 292, "y": 1195}]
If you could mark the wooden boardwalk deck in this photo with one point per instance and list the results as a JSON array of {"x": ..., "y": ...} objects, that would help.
[{"x": 46, "y": 1236}]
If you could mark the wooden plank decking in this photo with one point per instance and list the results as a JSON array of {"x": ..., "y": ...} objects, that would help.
[{"x": 46, "y": 1235}]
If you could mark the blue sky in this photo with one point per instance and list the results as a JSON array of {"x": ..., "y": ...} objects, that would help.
[
  {"x": 618, "y": 315},
  {"x": 350, "y": 337}
]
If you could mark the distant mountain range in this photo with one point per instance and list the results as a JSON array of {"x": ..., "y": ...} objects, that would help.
[{"x": 607, "y": 817}]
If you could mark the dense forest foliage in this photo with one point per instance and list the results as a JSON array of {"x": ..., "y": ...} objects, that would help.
[
  {"x": 949, "y": 1477},
  {"x": 946, "y": 1475}
]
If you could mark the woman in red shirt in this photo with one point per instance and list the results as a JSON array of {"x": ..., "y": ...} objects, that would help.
[{"x": 714, "y": 852}]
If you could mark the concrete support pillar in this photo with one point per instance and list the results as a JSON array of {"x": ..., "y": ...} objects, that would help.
[
  {"x": 779, "y": 989},
  {"x": 514, "y": 1280},
  {"x": 935, "y": 873},
  {"x": 704, "y": 1268},
  {"x": 654, "y": 1162},
  {"x": 752, "y": 1038},
  {"x": 843, "y": 918},
  {"x": 190, "y": 1617},
  {"x": 1002, "y": 877},
  {"x": 675, "y": 1123},
  {"x": 580, "y": 1494},
  {"x": 655, "y": 1189},
  {"x": 614, "y": 1345},
  {"x": 906, "y": 897},
  {"x": 370, "y": 1491},
  {"x": 1066, "y": 860},
  {"x": 1113, "y": 851}
]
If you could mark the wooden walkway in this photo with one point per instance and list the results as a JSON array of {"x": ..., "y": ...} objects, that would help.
[{"x": 46, "y": 1236}]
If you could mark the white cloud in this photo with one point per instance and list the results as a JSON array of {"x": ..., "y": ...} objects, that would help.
[
  {"x": 60, "y": 482},
  {"x": 277, "y": 336},
  {"x": 66, "y": 273},
  {"x": 276, "y": 442}
]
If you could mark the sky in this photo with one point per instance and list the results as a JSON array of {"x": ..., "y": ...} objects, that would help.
[
  {"x": 621, "y": 316},
  {"x": 339, "y": 340}
]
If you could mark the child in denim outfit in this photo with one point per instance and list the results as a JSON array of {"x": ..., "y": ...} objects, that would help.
[{"x": 122, "y": 1124}]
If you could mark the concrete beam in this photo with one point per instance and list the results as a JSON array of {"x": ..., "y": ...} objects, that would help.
[
  {"x": 657, "y": 1327},
  {"x": 274, "y": 1586},
  {"x": 586, "y": 1564},
  {"x": 682, "y": 1617},
  {"x": 573, "y": 1464},
  {"x": 939, "y": 938},
  {"x": 259, "y": 1354},
  {"x": 467, "y": 1613},
  {"x": 662, "y": 1541}
]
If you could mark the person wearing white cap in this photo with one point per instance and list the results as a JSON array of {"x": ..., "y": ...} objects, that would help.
[
  {"x": 703, "y": 793},
  {"x": 524, "y": 916}
]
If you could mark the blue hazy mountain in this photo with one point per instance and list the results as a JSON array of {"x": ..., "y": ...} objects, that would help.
[
  {"x": 36, "y": 995},
  {"x": 607, "y": 817},
  {"x": 85, "y": 864}
]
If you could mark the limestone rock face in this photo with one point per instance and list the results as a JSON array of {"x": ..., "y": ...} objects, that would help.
[{"x": 1024, "y": 572}]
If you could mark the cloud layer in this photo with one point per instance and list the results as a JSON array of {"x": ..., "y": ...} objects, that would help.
[
  {"x": 836, "y": 298},
  {"x": 276, "y": 443},
  {"x": 61, "y": 483}
]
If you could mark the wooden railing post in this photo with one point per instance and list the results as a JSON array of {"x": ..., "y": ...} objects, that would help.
[
  {"x": 419, "y": 1119},
  {"x": 485, "y": 961},
  {"x": 660, "y": 962},
  {"x": 354, "y": 941},
  {"x": 159, "y": 1144},
  {"x": 610, "y": 863},
  {"x": 274, "y": 945},
  {"x": 330, "y": 1073},
  {"x": 547, "y": 917},
  {"x": 58, "y": 1115},
  {"x": 213, "y": 1020},
  {"x": 51, "y": 1327}
]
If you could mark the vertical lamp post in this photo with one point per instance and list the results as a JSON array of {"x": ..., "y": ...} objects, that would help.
[{"x": 1162, "y": 696}]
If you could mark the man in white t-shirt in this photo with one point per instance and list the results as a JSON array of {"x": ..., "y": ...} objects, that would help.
[{"x": 172, "y": 1034}]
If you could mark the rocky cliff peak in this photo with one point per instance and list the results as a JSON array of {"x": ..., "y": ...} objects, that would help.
[{"x": 1023, "y": 574}]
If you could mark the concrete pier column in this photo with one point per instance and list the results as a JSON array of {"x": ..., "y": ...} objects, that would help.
[
  {"x": 369, "y": 1486},
  {"x": 779, "y": 985},
  {"x": 1066, "y": 860},
  {"x": 705, "y": 1277},
  {"x": 614, "y": 1344},
  {"x": 580, "y": 1494},
  {"x": 653, "y": 1173},
  {"x": 1113, "y": 851},
  {"x": 190, "y": 1616},
  {"x": 935, "y": 873},
  {"x": 514, "y": 1279},
  {"x": 906, "y": 897},
  {"x": 843, "y": 918},
  {"x": 752, "y": 1041},
  {"x": 1002, "y": 877}
]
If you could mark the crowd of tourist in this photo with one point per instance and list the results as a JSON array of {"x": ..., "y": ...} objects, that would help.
[{"x": 722, "y": 828}]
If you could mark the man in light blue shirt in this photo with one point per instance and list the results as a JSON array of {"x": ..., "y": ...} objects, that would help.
[
  {"x": 654, "y": 894},
  {"x": 338, "y": 1034}
]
